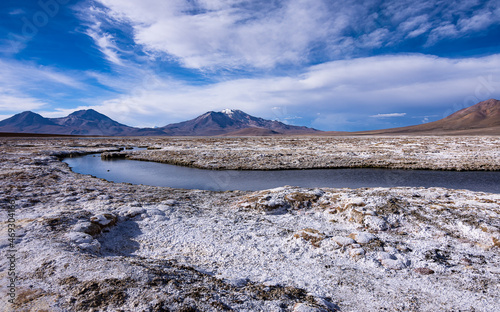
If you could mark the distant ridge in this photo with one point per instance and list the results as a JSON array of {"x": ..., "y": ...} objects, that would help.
[
  {"x": 480, "y": 119},
  {"x": 83, "y": 122},
  {"x": 92, "y": 123}
]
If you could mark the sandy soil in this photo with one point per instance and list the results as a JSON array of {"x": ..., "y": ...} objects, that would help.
[{"x": 85, "y": 244}]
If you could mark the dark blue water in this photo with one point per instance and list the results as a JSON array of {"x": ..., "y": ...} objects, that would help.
[{"x": 158, "y": 174}]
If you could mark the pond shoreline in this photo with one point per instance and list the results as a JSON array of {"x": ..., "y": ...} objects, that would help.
[{"x": 120, "y": 168}]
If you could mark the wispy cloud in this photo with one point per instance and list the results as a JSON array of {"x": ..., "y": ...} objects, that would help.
[
  {"x": 94, "y": 18},
  {"x": 15, "y": 102},
  {"x": 388, "y": 115},
  {"x": 16, "y": 11},
  {"x": 22, "y": 85},
  {"x": 106, "y": 45}
]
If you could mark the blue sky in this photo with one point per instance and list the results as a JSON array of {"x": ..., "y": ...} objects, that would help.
[{"x": 332, "y": 65}]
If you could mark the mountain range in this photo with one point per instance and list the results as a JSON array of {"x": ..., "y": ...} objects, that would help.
[
  {"x": 92, "y": 123},
  {"x": 482, "y": 118}
]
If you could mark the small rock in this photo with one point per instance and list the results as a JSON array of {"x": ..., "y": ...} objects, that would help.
[
  {"x": 356, "y": 202},
  {"x": 423, "y": 271},
  {"x": 465, "y": 261},
  {"x": 300, "y": 200},
  {"x": 270, "y": 203},
  {"x": 393, "y": 264},
  {"x": 356, "y": 252},
  {"x": 390, "y": 249},
  {"x": 133, "y": 212},
  {"x": 302, "y": 307},
  {"x": 403, "y": 248},
  {"x": 88, "y": 228},
  {"x": 94, "y": 246},
  {"x": 376, "y": 223},
  {"x": 356, "y": 216},
  {"x": 238, "y": 282},
  {"x": 155, "y": 212},
  {"x": 158, "y": 218},
  {"x": 385, "y": 256},
  {"x": 496, "y": 242},
  {"x": 79, "y": 238},
  {"x": 311, "y": 235},
  {"x": 70, "y": 199},
  {"x": 104, "y": 219},
  {"x": 343, "y": 241},
  {"x": 363, "y": 238}
]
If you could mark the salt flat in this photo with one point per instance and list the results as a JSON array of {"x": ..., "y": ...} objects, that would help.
[
  {"x": 268, "y": 153},
  {"x": 87, "y": 244}
]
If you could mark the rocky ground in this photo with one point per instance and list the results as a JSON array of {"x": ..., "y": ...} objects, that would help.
[{"x": 85, "y": 244}]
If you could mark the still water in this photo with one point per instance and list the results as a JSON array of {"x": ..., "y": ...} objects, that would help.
[{"x": 158, "y": 174}]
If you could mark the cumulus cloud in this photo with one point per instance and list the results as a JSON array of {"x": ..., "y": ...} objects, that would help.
[
  {"x": 232, "y": 34},
  {"x": 227, "y": 33},
  {"x": 372, "y": 84}
]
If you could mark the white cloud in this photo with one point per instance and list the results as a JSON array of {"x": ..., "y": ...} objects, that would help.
[
  {"x": 360, "y": 87},
  {"x": 20, "y": 81},
  {"x": 239, "y": 33},
  {"x": 106, "y": 45},
  {"x": 337, "y": 95},
  {"x": 18, "y": 102},
  {"x": 388, "y": 115},
  {"x": 226, "y": 34},
  {"x": 17, "y": 76},
  {"x": 94, "y": 18},
  {"x": 374, "y": 39}
]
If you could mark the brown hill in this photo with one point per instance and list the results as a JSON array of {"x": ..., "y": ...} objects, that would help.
[{"x": 480, "y": 119}]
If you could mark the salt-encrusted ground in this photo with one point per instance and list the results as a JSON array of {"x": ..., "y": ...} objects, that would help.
[
  {"x": 441, "y": 153},
  {"x": 86, "y": 244}
]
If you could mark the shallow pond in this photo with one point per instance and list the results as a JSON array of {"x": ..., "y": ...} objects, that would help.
[{"x": 158, "y": 174}]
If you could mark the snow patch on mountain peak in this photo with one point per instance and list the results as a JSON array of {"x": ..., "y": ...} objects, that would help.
[{"x": 228, "y": 112}]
